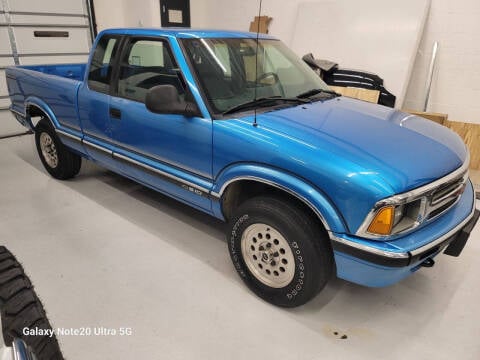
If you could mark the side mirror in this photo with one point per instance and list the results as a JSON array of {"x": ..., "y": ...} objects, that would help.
[{"x": 164, "y": 99}]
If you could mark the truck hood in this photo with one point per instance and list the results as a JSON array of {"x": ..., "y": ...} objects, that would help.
[{"x": 405, "y": 150}]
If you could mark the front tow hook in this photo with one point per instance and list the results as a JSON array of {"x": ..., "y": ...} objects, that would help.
[{"x": 428, "y": 263}]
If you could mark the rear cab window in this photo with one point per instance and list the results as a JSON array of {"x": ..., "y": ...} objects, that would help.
[{"x": 101, "y": 67}]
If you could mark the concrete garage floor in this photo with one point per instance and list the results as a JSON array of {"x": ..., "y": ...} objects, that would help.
[{"x": 103, "y": 251}]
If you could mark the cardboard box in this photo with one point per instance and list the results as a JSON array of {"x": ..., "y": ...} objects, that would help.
[{"x": 260, "y": 24}]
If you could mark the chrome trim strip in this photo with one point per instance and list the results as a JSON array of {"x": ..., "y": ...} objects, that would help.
[
  {"x": 66, "y": 134},
  {"x": 160, "y": 172},
  {"x": 268, "y": 182},
  {"x": 445, "y": 236},
  {"x": 97, "y": 147},
  {"x": 370, "y": 249},
  {"x": 159, "y": 159},
  {"x": 407, "y": 197}
]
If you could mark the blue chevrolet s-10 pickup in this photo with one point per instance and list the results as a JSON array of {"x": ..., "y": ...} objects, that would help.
[{"x": 311, "y": 184}]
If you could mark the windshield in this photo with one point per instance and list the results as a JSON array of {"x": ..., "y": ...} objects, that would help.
[{"x": 228, "y": 74}]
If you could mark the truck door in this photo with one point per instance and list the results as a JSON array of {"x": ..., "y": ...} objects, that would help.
[
  {"x": 94, "y": 101},
  {"x": 172, "y": 153}
]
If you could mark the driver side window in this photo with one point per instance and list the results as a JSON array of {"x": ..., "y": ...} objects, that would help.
[{"x": 145, "y": 64}]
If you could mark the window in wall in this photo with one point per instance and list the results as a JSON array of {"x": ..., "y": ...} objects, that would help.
[
  {"x": 101, "y": 67},
  {"x": 147, "y": 63}
]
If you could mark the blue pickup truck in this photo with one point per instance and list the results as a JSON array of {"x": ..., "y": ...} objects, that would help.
[{"x": 311, "y": 184}]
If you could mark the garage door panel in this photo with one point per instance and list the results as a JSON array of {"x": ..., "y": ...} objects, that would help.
[
  {"x": 6, "y": 61},
  {"x": 51, "y": 6},
  {"x": 76, "y": 42},
  {"x": 4, "y": 102},
  {"x": 54, "y": 59},
  {"x": 48, "y": 19},
  {"x": 4, "y": 42},
  {"x": 3, "y": 84},
  {"x": 43, "y": 32}
]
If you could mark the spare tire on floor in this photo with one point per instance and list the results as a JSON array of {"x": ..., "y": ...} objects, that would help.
[{"x": 21, "y": 308}]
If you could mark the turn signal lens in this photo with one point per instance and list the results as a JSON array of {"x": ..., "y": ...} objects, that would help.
[{"x": 382, "y": 223}]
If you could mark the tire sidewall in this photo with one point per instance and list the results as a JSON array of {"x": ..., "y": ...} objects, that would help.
[
  {"x": 41, "y": 128},
  {"x": 304, "y": 284},
  {"x": 68, "y": 163}
]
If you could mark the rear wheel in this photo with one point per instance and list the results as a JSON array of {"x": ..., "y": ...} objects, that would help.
[
  {"x": 59, "y": 161},
  {"x": 280, "y": 251}
]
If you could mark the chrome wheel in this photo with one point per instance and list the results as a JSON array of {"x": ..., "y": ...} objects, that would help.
[
  {"x": 49, "y": 151},
  {"x": 268, "y": 255}
]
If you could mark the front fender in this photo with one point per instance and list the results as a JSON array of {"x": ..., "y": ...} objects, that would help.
[{"x": 298, "y": 187}]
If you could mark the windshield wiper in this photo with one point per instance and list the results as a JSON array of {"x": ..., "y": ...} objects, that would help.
[
  {"x": 263, "y": 101},
  {"x": 312, "y": 92}
]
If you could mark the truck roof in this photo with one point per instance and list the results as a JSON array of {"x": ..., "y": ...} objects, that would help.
[{"x": 186, "y": 33}]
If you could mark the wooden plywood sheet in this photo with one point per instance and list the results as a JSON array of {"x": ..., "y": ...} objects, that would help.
[
  {"x": 371, "y": 35},
  {"x": 358, "y": 93},
  {"x": 470, "y": 133},
  {"x": 439, "y": 118}
]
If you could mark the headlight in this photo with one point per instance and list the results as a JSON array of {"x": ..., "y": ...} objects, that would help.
[
  {"x": 394, "y": 219},
  {"x": 401, "y": 213}
]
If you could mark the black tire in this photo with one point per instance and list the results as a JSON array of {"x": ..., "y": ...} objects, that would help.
[
  {"x": 68, "y": 164},
  {"x": 21, "y": 308},
  {"x": 308, "y": 241}
]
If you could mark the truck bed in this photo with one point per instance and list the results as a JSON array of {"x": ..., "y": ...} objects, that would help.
[{"x": 56, "y": 85}]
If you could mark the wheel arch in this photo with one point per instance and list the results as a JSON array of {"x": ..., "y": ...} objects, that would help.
[
  {"x": 242, "y": 182},
  {"x": 35, "y": 107}
]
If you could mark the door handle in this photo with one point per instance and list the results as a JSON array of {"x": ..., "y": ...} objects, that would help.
[{"x": 115, "y": 113}]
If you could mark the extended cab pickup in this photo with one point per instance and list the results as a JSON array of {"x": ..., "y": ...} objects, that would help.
[{"x": 312, "y": 184}]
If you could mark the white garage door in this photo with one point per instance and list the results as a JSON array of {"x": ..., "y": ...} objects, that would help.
[{"x": 40, "y": 32}]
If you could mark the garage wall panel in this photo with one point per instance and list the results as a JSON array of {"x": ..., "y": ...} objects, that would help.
[
  {"x": 40, "y": 32},
  {"x": 49, "y": 19},
  {"x": 5, "y": 48},
  {"x": 54, "y": 59},
  {"x": 76, "y": 42},
  {"x": 50, "y": 6},
  {"x": 3, "y": 83},
  {"x": 6, "y": 61}
]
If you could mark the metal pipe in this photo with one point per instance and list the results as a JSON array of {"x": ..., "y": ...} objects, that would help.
[{"x": 428, "y": 84}]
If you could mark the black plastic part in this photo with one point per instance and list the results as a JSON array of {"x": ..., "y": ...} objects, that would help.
[
  {"x": 369, "y": 256},
  {"x": 457, "y": 245},
  {"x": 332, "y": 75},
  {"x": 428, "y": 263},
  {"x": 115, "y": 113}
]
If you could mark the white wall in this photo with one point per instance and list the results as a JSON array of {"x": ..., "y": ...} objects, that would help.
[
  {"x": 127, "y": 13},
  {"x": 456, "y": 84}
]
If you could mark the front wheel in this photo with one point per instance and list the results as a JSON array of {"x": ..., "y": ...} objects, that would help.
[{"x": 280, "y": 251}]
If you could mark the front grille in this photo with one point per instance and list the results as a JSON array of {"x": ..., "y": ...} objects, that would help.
[{"x": 445, "y": 196}]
